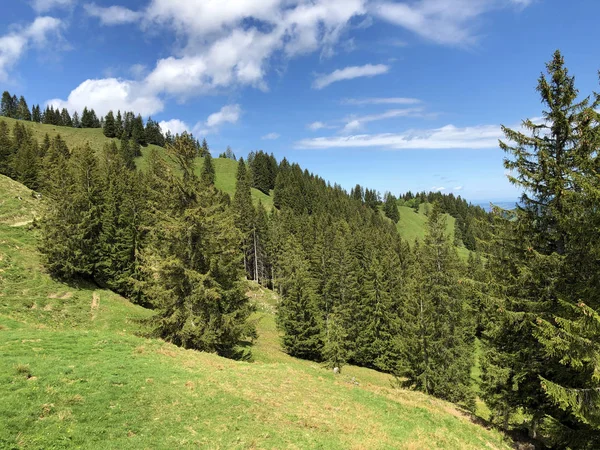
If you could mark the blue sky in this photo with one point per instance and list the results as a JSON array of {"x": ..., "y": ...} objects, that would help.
[{"x": 394, "y": 95}]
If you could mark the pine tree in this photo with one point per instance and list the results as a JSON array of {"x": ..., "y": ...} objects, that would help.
[
  {"x": 7, "y": 108},
  {"x": 244, "y": 215},
  {"x": 26, "y": 164},
  {"x": 119, "y": 125},
  {"x": 192, "y": 263},
  {"x": 123, "y": 213},
  {"x": 542, "y": 345},
  {"x": 109, "y": 125},
  {"x": 23, "y": 112},
  {"x": 65, "y": 118},
  {"x": 437, "y": 335},
  {"x": 71, "y": 225},
  {"x": 297, "y": 314},
  {"x": 36, "y": 115},
  {"x": 76, "y": 121},
  {"x": 138, "y": 133},
  {"x": 7, "y": 150},
  {"x": 208, "y": 170},
  {"x": 390, "y": 207}
]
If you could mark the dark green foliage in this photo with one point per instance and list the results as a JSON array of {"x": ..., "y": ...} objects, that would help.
[
  {"x": 65, "y": 118},
  {"x": 72, "y": 223},
  {"x": 438, "y": 331},
  {"x": 36, "y": 114},
  {"x": 110, "y": 130},
  {"x": 390, "y": 207},
  {"x": 23, "y": 112},
  {"x": 542, "y": 343},
  {"x": 208, "y": 170},
  {"x": 7, "y": 149},
  {"x": 138, "y": 133},
  {"x": 8, "y": 108},
  {"x": 297, "y": 314},
  {"x": 76, "y": 120},
  {"x": 153, "y": 133},
  {"x": 124, "y": 213},
  {"x": 25, "y": 164},
  {"x": 197, "y": 289},
  {"x": 244, "y": 214},
  {"x": 263, "y": 169},
  {"x": 89, "y": 119}
]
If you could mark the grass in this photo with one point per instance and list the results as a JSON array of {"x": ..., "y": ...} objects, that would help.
[
  {"x": 225, "y": 169},
  {"x": 76, "y": 372}
]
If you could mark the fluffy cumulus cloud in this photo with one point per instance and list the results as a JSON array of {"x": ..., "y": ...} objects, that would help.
[
  {"x": 175, "y": 126},
  {"x": 15, "y": 44},
  {"x": 227, "y": 114},
  {"x": 270, "y": 137},
  {"x": 447, "y": 137},
  {"x": 349, "y": 73},
  {"x": 110, "y": 93}
]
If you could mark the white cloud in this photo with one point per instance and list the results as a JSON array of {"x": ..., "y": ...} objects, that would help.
[
  {"x": 315, "y": 126},
  {"x": 447, "y": 22},
  {"x": 113, "y": 15},
  {"x": 381, "y": 101},
  {"x": 354, "y": 123},
  {"x": 437, "y": 189},
  {"x": 14, "y": 45},
  {"x": 110, "y": 93},
  {"x": 227, "y": 114},
  {"x": 270, "y": 137},
  {"x": 447, "y": 137},
  {"x": 41, "y": 6},
  {"x": 175, "y": 126},
  {"x": 458, "y": 188},
  {"x": 349, "y": 73}
]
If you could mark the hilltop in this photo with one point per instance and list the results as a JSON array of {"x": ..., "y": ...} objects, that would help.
[{"x": 77, "y": 371}]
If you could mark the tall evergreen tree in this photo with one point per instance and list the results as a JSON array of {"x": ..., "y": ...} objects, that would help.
[
  {"x": 7, "y": 149},
  {"x": 438, "y": 334},
  {"x": 65, "y": 118},
  {"x": 298, "y": 316},
  {"x": 390, "y": 207},
  {"x": 23, "y": 112},
  {"x": 109, "y": 125},
  {"x": 192, "y": 263},
  {"x": 7, "y": 107},
  {"x": 542, "y": 346},
  {"x": 36, "y": 115},
  {"x": 208, "y": 170},
  {"x": 244, "y": 214}
]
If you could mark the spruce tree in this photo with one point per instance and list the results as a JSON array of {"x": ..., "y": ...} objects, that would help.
[
  {"x": 7, "y": 149},
  {"x": 6, "y": 105},
  {"x": 76, "y": 120},
  {"x": 437, "y": 333},
  {"x": 23, "y": 112},
  {"x": 244, "y": 215},
  {"x": 390, "y": 207},
  {"x": 36, "y": 115},
  {"x": 109, "y": 125},
  {"x": 542, "y": 352},
  {"x": 72, "y": 223},
  {"x": 65, "y": 118},
  {"x": 26, "y": 163},
  {"x": 194, "y": 275},
  {"x": 297, "y": 314},
  {"x": 119, "y": 125},
  {"x": 208, "y": 170}
]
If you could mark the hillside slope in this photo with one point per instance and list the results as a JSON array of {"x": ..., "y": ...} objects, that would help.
[
  {"x": 75, "y": 373},
  {"x": 225, "y": 169}
]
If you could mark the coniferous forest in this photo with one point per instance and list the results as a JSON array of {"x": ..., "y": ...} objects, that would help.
[{"x": 523, "y": 305}]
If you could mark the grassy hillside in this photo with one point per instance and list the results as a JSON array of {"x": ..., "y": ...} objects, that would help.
[
  {"x": 74, "y": 372},
  {"x": 225, "y": 169}
]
